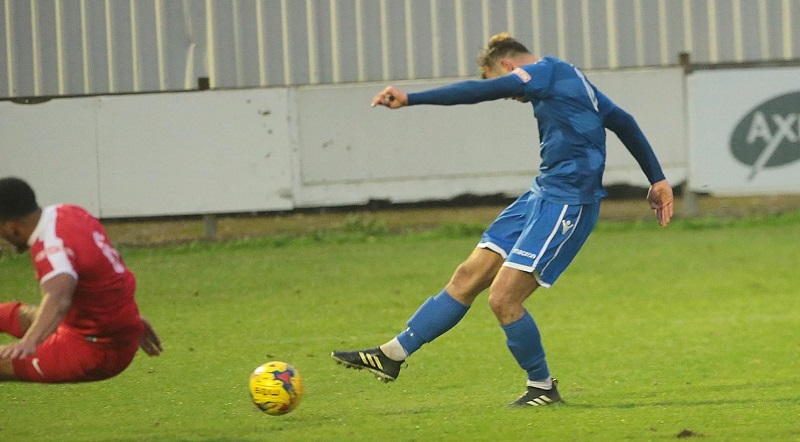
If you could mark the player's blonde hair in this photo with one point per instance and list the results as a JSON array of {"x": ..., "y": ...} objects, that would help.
[{"x": 501, "y": 45}]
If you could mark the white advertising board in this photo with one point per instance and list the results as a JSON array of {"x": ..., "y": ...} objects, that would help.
[{"x": 745, "y": 131}]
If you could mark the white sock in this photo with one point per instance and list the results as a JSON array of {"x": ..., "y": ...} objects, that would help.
[
  {"x": 394, "y": 350},
  {"x": 544, "y": 384}
]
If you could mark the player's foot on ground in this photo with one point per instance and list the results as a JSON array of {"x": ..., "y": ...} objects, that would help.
[
  {"x": 537, "y": 397},
  {"x": 372, "y": 359}
]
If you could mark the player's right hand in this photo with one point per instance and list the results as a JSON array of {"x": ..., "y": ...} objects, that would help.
[
  {"x": 390, "y": 97},
  {"x": 661, "y": 201},
  {"x": 17, "y": 350},
  {"x": 150, "y": 343}
]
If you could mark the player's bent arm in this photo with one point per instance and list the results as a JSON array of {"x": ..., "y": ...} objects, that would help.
[
  {"x": 627, "y": 130},
  {"x": 659, "y": 196},
  {"x": 56, "y": 300}
]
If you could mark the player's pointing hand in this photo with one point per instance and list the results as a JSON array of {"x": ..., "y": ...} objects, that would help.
[{"x": 390, "y": 97}]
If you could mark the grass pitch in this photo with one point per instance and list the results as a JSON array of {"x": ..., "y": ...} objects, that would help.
[{"x": 655, "y": 334}]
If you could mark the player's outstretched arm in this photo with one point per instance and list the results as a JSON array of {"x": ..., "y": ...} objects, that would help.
[
  {"x": 150, "y": 343},
  {"x": 390, "y": 97},
  {"x": 462, "y": 92},
  {"x": 661, "y": 201}
]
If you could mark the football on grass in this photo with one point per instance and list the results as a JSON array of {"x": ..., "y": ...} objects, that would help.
[{"x": 276, "y": 388}]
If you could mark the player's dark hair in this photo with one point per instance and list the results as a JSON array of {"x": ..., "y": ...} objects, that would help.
[
  {"x": 17, "y": 199},
  {"x": 502, "y": 45}
]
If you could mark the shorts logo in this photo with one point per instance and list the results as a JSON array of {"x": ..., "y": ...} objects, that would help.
[
  {"x": 35, "y": 363},
  {"x": 566, "y": 225},
  {"x": 524, "y": 253}
]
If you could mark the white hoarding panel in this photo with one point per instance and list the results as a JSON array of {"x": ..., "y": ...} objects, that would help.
[
  {"x": 745, "y": 131},
  {"x": 190, "y": 153},
  {"x": 51, "y": 145}
]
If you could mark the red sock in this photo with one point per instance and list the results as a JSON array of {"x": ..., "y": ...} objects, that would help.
[{"x": 9, "y": 319}]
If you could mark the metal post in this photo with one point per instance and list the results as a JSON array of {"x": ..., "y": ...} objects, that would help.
[
  {"x": 210, "y": 224},
  {"x": 691, "y": 208}
]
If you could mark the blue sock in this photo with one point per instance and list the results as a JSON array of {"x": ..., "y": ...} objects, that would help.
[
  {"x": 525, "y": 343},
  {"x": 433, "y": 318}
]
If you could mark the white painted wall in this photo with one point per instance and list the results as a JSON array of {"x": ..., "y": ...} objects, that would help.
[
  {"x": 53, "y": 145},
  {"x": 350, "y": 152},
  {"x": 159, "y": 154},
  {"x": 277, "y": 149},
  {"x": 187, "y": 153}
]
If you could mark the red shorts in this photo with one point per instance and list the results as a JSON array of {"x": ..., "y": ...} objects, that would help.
[{"x": 67, "y": 356}]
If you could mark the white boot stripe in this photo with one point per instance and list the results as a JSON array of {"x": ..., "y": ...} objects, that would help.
[
  {"x": 541, "y": 400},
  {"x": 371, "y": 360}
]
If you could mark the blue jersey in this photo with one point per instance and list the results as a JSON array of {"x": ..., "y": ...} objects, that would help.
[{"x": 572, "y": 117}]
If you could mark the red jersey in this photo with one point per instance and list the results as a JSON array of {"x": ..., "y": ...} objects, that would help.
[{"x": 70, "y": 240}]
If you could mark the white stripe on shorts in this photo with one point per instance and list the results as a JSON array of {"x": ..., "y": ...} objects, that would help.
[
  {"x": 574, "y": 228},
  {"x": 527, "y": 269},
  {"x": 495, "y": 248},
  {"x": 550, "y": 238}
]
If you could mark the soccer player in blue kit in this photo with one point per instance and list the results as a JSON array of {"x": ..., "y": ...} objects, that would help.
[{"x": 535, "y": 238}]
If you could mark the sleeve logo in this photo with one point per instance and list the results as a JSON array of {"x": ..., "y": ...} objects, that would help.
[{"x": 522, "y": 74}]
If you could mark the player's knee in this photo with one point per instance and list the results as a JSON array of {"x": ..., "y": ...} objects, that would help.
[
  {"x": 462, "y": 276},
  {"x": 505, "y": 301},
  {"x": 470, "y": 279},
  {"x": 27, "y": 312},
  {"x": 498, "y": 301}
]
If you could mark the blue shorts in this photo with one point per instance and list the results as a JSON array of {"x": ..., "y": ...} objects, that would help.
[{"x": 540, "y": 237}]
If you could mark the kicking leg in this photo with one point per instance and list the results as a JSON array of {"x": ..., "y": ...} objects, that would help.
[
  {"x": 434, "y": 317},
  {"x": 439, "y": 314},
  {"x": 474, "y": 275}
]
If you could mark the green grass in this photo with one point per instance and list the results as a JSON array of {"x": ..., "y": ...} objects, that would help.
[{"x": 651, "y": 332}]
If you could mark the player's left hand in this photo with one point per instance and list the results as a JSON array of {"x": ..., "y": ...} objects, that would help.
[
  {"x": 17, "y": 350},
  {"x": 390, "y": 97},
  {"x": 661, "y": 201},
  {"x": 150, "y": 343}
]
